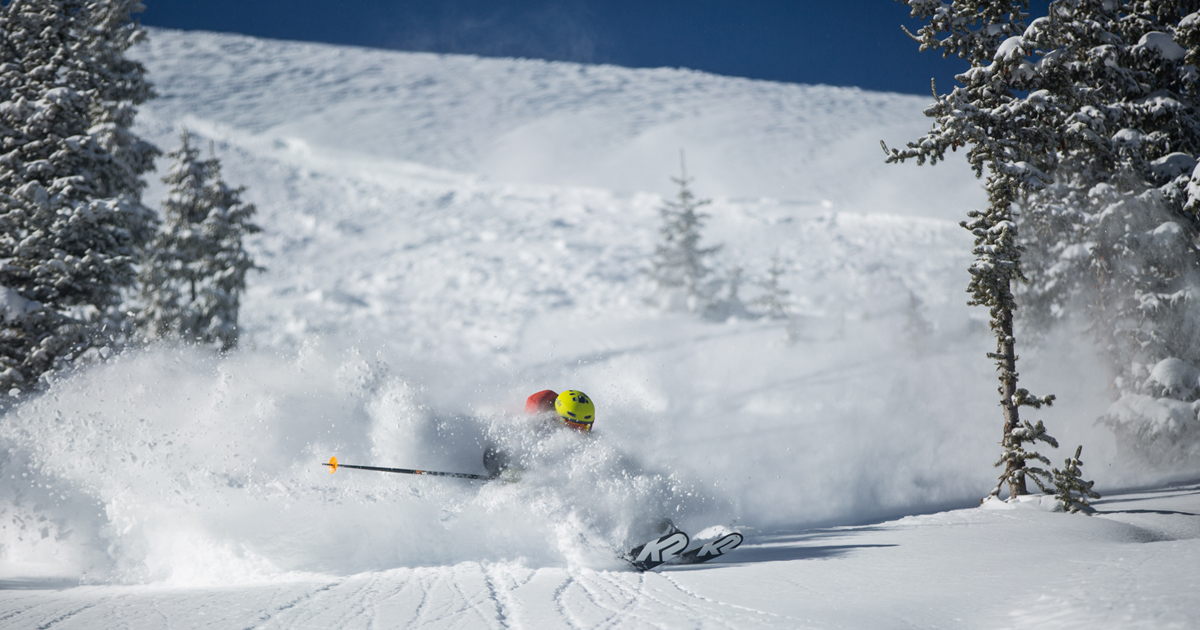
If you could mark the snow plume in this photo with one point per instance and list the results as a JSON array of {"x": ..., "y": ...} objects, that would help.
[{"x": 172, "y": 466}]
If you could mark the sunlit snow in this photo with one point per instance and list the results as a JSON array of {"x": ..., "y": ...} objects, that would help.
[{"x": 444, "y": 235}]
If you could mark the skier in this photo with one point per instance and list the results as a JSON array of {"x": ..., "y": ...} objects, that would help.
[{"x": 571, "y": 409}]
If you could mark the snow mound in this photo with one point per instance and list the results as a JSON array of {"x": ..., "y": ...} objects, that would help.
[
  {"x": 1163, "y": 44},
  {"x": 1173, "y": 377}
]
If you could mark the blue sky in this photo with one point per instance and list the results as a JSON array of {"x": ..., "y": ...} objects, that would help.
[{"x": 834, "y": 42}]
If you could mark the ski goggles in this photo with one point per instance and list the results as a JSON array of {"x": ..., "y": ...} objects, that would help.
[{"x": 585, "y": 427}]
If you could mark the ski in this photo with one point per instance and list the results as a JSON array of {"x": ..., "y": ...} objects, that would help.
[
  {"x": 657, "y": 551},
  {"x": 712, "y": 549}
]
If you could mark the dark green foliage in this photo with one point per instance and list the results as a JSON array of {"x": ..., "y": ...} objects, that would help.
[
  {"x": 70, "y": 183},
  {"x": 1113, "y": 237},
  {"x": 1088, "y": 120},
  {"x": 1016, "y": 460},
  {"x": 1071, "y": 488}
]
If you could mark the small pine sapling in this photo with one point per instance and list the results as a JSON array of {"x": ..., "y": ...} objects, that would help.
[
  {"x": 917, "y": 328},
  {"x": 1016, "y": 458},
  {"x": 774, "y": 300},
  {"x": 680, "y": 264},
  {"x": 1073, "y": 491},
  {"x": 731, "y": 304}
]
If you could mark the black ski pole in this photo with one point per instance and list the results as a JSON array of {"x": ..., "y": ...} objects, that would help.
[{"x": 334, "y": 465}]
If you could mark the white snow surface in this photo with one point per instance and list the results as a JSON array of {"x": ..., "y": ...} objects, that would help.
[{"x": 443, "y": 236}]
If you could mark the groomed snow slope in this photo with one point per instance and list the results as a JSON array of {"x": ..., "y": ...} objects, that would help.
[
  {"x": 1132, "y": 567},
  {"x": 444, "y": 235}
]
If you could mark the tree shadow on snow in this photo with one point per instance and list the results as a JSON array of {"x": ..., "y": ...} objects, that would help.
[
  {"x": 1167, "y": 512},
  {"x": 1116, "y": 500},
  {"x": 37, "y": 584},
  {"x": 1130, "y": 495}
]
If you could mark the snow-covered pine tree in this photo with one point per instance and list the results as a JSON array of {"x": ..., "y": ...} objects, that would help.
[
  {"x": 71, "y": 229},
  {"x": 775, "y": 297},
  {"x": 1071, "y": 488},
  {"x": 680, "y": 264},
  {"x": 1114, "y": 235},
  {"x": 917, "y": 328},
  {"x": 120, "y": 85},
  {"x": 1009, "y": 132},
  {"x": 195, "y": 270},
  {"x": 721, "y": 308}
]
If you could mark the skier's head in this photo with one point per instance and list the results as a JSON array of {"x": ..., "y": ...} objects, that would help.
[{"x": 576, "y": 410}]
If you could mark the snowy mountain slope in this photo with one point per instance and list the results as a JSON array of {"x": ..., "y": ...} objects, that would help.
[
  {"x": 558, "y": 123},
  {"x": 425, "y": 273}
]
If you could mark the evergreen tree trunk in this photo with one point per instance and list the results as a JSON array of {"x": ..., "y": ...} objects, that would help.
[
  {"x": 1011, "y": 132},
  {"x": 996, "y": 268},
  {"x": 1007, "y": 352}
]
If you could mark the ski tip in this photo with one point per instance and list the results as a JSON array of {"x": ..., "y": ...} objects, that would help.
[{"x": 332, "y": 465}]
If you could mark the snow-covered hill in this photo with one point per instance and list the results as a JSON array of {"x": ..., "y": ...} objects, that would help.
[
  {"x": 554, "y": 123},
  {"x": 444, "y": 235}
]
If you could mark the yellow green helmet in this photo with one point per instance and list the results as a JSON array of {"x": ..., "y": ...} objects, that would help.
[{"x": 576, "y": 409}]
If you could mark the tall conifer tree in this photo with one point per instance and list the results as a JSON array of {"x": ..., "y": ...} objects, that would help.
[
  {"x": 195, "y": 269},
  {"x": 1101, "y": 95},
  {"x": 69, "y": 206},
  {"x": 1114, "y": 235},
  {"x": 119, "y": 85},
  {"x": 1009, "y": 133}
]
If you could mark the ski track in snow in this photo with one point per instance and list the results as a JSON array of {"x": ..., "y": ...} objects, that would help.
[
  {"x": 884, "y": 575},
  {"x": 445, "y": 234}
]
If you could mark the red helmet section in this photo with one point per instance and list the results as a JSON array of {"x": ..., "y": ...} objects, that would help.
[{"x": 540, "y": 402}]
